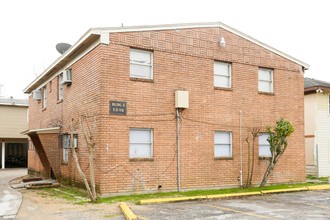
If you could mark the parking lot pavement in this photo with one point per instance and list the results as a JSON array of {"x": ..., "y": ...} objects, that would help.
[{"x": 298, "y": 205}]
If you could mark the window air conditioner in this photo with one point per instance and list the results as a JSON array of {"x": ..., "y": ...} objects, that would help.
[
  {"x": 67, "y": 77},
  {"x": 36, "y": 94}
]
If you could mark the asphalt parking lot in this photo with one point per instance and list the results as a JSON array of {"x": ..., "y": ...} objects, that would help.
[{"x": 298, "y": 205}]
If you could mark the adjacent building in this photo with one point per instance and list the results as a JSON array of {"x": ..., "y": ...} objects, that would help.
[
  {"x": 169, "y": 106},
  {"x": 13, "y": 121},
  {"x": 317, "y": 127}
]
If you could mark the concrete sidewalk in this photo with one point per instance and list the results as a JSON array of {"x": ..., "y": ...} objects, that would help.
[{"x": 10, "y": 199}]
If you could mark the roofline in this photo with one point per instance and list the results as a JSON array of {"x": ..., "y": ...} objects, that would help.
[
  {"x": 89, "y": 34},
  {"x": 312, "y": 89},
  {"x": 201, "y": 25},
  {"x": 108, "y": 30},
  {"x": 17, "y": 105}
]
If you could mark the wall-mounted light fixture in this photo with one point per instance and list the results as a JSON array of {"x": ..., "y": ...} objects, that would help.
[
  {"x": 319, "y": 90},
  {"x": 222, "y": 42}
]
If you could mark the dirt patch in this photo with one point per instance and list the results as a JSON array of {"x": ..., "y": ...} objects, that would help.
[{"x": 37, "y": 206}]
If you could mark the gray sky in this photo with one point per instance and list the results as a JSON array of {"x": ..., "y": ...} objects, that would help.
[{"x": 31, "y": 29}]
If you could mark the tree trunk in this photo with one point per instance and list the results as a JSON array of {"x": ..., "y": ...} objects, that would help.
[
  {"x": 92, "y": 174},
  {"x": 252, "y": 163},
  {"x": 247, "y": 184},
  {"x": 81, "y": 173},
  {"x": 267, "y": 173}
]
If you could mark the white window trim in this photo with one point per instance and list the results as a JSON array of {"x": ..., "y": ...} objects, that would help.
[
  {"x": 65, "y": 156},
  {"x": 44, "y": 97},
  {"x": 231, "y": 144},
  {"x": 263, "y": 133},
  {"x": 142, "y": 64},
  {"x": 272, "y": 79},
  {"x": 217, "y": 74},
  {"x": 151, "y": 143},
  {"x": 60, "y": 87}
]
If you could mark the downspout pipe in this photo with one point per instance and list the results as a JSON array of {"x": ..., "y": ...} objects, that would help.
[
  {"x": 240, "y": 149},
  {"x": 178, "y": 146}
]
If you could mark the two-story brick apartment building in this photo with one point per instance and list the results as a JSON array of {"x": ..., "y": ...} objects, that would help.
[{"x": 124, "y": 80}]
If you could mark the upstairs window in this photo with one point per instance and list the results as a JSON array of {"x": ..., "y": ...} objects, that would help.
[
  {"x": 140, "y": 143},
  {"x": 141, "y": 64},
  {"x": 60, "y": 87},
  {"x": 44, "y": 97},
  {"x": 264, "y": 146},
  {"x": 222, "y": 144},
  {"x": 222, "y": 74},
  {"x": 265, "y": 80}
]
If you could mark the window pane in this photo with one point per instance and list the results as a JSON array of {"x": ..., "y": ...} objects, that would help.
[
  {"x": 221, "y": 68},
  {"x": 140, "y": 136},
  {"x": 221, "y": 81},
  {"x": 263, "y": 139},
  {"x": 65, "y": 155},
  {"x": 140, "y": 150},
  {"x": 222, "y": 144},
  {"x": 140, "y": 71},
  {"x": 264, "y": 151},
  {"x": 264, "y": 86},
  {"x": 265, "y": 75},
  {"x": 264, "y": 147},
  {"x": 141, "y": 57},
  {"x": 140, "y": 143},
  {"x": 221, "y": 137},
  {"x": 140, "y": 64},
  {"x": 222, "y": 151},
  {"x": 222, "y": 74}
]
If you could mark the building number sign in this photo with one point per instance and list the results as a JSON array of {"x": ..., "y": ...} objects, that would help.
[{"x": 118, "y": 108}]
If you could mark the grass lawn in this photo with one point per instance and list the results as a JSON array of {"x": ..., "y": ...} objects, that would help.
[{"x": 79, "y": 196}]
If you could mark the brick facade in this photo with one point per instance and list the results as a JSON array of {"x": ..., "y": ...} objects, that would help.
[{"x": 182, "y": 60}]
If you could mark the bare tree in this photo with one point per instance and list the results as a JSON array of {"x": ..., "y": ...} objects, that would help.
[
  {"x": 90, "y": 141},
  {"x": 252, "y": 134}
]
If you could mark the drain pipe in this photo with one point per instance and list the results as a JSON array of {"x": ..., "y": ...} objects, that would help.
[
  {"x": 240, "y": 148},
  {"x": 178, "y": 143}
]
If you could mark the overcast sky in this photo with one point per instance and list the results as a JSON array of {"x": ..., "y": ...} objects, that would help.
[{"x": 31, "y": 29}]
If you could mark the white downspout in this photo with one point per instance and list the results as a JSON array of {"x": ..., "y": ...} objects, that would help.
[
  {"x": 240, "y": 149},
  {"x": 178, "y": 143}
]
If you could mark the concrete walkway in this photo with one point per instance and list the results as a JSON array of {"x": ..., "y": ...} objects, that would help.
[{"x": 10, "y": 199}]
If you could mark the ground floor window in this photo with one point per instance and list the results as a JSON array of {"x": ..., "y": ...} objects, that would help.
[
  {"x": 141, "y": 143},
  {"x": 264, "y": 147},
  {"x": 222, "y": 144}
]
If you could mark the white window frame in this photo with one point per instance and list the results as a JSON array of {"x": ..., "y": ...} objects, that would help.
[
  {"x": 60, "y": 87},
  {"x": 133, "y": 153},
  {"x": 66, "y": 145},
  {"x": 270, "y": 81},
  {"x": 133, "y": 62},
  {"x": 219, "y": 144},
  {"x": 44, "y": 97},
  {"x": 228, "y": 76},
  {"x": 263, "y": 145}
]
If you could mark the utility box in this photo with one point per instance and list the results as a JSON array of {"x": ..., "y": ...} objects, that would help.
[{"x": 181, "y": 99}]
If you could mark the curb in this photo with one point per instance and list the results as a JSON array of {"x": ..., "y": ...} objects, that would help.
[
  {"x": 319, "y": 187},
  {"x": 231, "y": 195},
  {"x": 127, "y": 212},
  {"x": 284, "y": 190}
]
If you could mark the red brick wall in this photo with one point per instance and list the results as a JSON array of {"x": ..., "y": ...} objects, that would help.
[{"x": 183, "y": 59}]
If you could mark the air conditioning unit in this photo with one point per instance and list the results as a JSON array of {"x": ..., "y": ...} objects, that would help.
[
  {"x": 67, "y": 77},
  {"x": 36, "y": 94}
]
